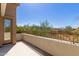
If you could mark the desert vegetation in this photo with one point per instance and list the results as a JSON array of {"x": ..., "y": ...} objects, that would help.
[{"x": 68, "y": 33}]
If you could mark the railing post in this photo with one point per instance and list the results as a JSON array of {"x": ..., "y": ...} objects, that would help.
[
  {"x": 73, "y": 39},
  {"x": 77, "y": 38}
]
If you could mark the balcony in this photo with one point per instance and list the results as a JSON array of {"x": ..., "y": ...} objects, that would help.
[
  {"x": 31, "y": 45},
  {"x": 20, "y": 49}
]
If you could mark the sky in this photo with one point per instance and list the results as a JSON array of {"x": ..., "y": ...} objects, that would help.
[{"x": 57, "y": 14}]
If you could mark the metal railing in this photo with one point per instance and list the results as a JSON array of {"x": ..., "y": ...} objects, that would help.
[{"x": 65, "y": 36}]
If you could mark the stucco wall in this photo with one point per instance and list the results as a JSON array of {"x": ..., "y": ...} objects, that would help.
[
  {"x": 18, "y": 37},
  {"x": 1, "y": 31},
  {"x": 52, "y": 46},
  {"x": 3, "y": 8},
  {"x": 0, "y": 9},
  {"x": 11, "y": 12}
]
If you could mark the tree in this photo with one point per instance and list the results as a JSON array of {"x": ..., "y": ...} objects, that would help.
[
  {"x": 44, "y": 25},
  {"x": 68, "y": 29}
]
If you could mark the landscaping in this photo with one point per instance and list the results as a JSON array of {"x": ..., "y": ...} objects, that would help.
[{"x": 68, "y": 33}]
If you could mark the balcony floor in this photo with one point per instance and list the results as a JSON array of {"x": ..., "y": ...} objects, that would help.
[{"x": 21, "y": 49}]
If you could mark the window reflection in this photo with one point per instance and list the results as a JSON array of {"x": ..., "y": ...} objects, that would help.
[{"x": 7, "y": 29}]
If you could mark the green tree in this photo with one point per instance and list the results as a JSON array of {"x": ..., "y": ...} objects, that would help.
[{"x": 68, "y": 29}]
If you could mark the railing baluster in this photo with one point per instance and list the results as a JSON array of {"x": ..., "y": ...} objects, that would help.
[{"x": 73, "y": 40}]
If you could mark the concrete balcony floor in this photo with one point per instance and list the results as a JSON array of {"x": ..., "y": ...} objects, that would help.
[{"x": 21, "y": 49}]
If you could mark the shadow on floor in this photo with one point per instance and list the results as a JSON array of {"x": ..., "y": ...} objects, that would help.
[{"x": 5, "y": 48}]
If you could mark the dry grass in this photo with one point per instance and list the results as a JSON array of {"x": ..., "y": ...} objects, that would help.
[{"x": 67, "y": 37}]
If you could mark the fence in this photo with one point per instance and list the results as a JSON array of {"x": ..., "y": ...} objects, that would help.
[{"x": 72, "y": 37}]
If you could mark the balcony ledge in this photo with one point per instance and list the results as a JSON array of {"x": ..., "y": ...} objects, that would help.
[{"x": 39, "y": 46}]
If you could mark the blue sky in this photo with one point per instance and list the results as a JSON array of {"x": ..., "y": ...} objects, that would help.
[{"x": 58, "y": 15}]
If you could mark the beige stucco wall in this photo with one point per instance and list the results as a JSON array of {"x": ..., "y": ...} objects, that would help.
[
  {"x": 11, "y": 12},
  {"x": 3, "y": 8},
  {"x": 1, "y": 31},
  {"x": 0, "y": 9},
  {"x": 52, "y": 46},
  {"x": 8, "y": 10},
  {"x": 18, "y": 37}
]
